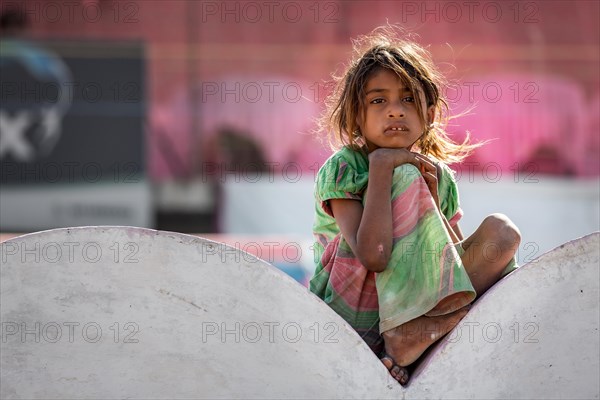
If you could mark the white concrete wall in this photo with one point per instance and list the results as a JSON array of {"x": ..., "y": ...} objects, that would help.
[
  {"x": 112, "y": 313},
  {"x": 105, "y": 312},
  {"x": 548, "y": 211},
  {"x": 37, "y": 207},
  {"x": 534, "y": 335}
]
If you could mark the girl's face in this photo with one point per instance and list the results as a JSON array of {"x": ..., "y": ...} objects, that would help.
[{"x": 391, "y": 119}]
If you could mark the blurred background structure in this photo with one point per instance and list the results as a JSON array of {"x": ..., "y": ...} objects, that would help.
[{"x": 197, "y": 116}]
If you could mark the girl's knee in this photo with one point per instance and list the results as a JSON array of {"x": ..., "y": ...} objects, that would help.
[{"x": 502, "y": 231}]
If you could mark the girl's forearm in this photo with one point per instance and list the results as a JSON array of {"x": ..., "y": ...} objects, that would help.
[{"x": 374, "y": 235}]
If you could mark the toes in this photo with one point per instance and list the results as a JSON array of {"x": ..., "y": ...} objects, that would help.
[
  {"x": 403, "y": 377},
  {"x": 388, "y": 362},
  {"x": 398, "y": 373}
]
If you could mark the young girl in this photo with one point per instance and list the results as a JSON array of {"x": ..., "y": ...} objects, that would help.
[{"x": 391, "y": 258}]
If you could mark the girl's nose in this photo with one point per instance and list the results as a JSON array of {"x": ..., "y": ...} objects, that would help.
[{"x": 396, "y": 110}]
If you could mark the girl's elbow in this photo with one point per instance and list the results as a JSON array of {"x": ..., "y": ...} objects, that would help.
[
  {"x": 375, "y": 261},
  {"x": 377, "y": 267}
]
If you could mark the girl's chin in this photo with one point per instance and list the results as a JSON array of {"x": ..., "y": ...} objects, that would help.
[
  {"x": 372, "y": 147},
  {"x": 396, "y": 147}
]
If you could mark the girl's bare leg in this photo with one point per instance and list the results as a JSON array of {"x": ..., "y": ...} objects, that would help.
[{"x": 488, "y": 251}]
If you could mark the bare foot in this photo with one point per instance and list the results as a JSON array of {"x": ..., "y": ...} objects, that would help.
[
  {"x": 398, "y": 373},
  {"x": 407, "y": 342}
]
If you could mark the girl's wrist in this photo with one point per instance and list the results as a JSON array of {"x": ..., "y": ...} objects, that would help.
[{"x": 381, "y": 161}]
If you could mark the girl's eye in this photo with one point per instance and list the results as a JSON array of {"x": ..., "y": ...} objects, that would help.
[
  {"x": 377, "y": 101},
  {"x": 409, "y": 99}
]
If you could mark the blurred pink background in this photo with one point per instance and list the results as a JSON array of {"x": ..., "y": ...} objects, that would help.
[{"x": 528, "y": 70}]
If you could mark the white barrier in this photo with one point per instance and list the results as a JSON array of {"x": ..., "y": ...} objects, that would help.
[
  {"x": 532, "y": 336},
  {"x": 114, "y": 312},
  {"x": 108, "y": 313}
]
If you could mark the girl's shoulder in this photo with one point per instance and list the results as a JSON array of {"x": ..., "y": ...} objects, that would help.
[
  {"x": 447, "y": 172},
  {"x": 346, "y": 170}
]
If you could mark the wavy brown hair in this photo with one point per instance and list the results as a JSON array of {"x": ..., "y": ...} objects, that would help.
[{"x": 384, "y": 48}]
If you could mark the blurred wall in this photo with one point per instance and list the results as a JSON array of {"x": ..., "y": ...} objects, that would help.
[
  {"x": 213, "y": 63},
  {"x": 232, "y": 87}
]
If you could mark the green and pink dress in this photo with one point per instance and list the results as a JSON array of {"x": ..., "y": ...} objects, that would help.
[{"x": 425, "y": 275}]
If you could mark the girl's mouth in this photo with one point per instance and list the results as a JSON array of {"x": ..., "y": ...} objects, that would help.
[{"x": 395, "y": 130}]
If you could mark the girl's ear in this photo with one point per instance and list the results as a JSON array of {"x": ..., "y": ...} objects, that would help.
[
  {"x": 359, "y": 118},
  {"x": 430, "y": 115}
]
